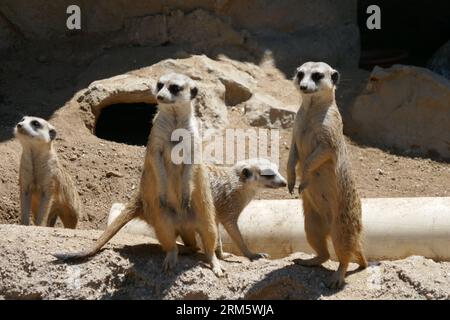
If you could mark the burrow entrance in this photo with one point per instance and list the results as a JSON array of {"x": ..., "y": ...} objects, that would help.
[{"x": 128, "y": 123}]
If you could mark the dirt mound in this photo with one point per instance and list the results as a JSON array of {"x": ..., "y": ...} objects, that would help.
[{"x": 130, "y": 268}]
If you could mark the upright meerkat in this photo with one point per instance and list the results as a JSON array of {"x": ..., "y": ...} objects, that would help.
[
  {"x": 171, "y": 195},
  {"x": 331, "y": 204},
  {"x": 232, "y": 188},
  {"x": 45, "y": 188}
]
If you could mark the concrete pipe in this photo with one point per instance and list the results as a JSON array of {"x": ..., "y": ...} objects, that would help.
[{"x": 394, "y": 228}]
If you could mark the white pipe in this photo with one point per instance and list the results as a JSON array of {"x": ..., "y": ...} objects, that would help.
[{"x": 394, "y": 228}]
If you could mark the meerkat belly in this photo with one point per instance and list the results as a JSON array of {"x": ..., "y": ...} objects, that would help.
[{"x": 322, "y": 189}]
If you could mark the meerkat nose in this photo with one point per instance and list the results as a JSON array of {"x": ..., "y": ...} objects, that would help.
[
  {"x": 303, "y": 87},
  {"x": 19, "y": 125}
]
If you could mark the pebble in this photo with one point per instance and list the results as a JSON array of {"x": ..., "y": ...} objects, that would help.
[{"x": 114, "y": 174}]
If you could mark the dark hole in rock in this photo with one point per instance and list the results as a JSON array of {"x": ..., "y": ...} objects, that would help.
[{"x": 128, "y": 123}]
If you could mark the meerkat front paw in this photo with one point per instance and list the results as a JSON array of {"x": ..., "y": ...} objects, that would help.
[{"x": 291, "y": 186}]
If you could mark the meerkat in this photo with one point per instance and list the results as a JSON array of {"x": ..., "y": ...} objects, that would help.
[
  {"x": 171, "y": 195},
  {"x": 331, "y": 205},
  {"x": 232, "y": 188},
  {"x": 45, "y": 188}
]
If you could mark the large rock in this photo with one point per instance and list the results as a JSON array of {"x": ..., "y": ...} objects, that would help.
[
  {"x": 43, "y": 19},
  {"x": 407, "y": 108},
  {"x": 266, "y": 111},
  {"x": 294, "y": 31},
  {"x": 130, "y": 267},
  {"x": 221, "y": 84}
]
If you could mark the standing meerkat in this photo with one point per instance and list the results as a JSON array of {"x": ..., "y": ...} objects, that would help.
[
  {"x": 331, "y": 204},
  {"x": 171, "y": 195},
  {"x": 232, "y": 188},
  {"x": 45, "y": 187}
]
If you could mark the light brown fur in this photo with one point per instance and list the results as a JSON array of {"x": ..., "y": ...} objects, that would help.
[
  {"x": 170, "y": 195},
  {"x": 331, "y": 204},
  {"x": 45, "y": 187}
]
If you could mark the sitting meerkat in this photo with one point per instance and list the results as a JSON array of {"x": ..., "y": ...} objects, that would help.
[
  {"x": 232, "y": 188},
  {"x": 45, "y": 187},
  {"x": 171, "y": 195},
  {"x": 331, "y": 204}
]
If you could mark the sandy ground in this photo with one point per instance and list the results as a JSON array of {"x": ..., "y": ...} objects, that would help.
[{"x": 130, "y": 268}]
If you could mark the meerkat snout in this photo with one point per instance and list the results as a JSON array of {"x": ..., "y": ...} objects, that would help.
[
  {"x": 175, "y": 88},
  {"x": 312, "y": 77}
]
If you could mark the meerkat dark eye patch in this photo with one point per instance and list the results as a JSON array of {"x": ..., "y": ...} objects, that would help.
[
  {"x": 300, "y": 76},
  {"x": 174, "y": 88},
  {"x": 246, "y": 173},
  {"x": 317, "y": 76},
  {"x": 52, "y": 134},
  {"x": 194, "y": 92},
  {"x": 36, "y": 124},
  {"x": 159, "y": 86},
  {"x": 335, "y": 76}
]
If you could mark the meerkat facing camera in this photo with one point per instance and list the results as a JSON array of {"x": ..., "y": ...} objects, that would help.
[
  {"x": 331, "y": 204},
  {"x": 171, "y": 195},
  {"x": 45, "y": 188}
]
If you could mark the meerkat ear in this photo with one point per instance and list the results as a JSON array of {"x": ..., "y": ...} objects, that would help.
[
  {"x": 194, "y": 92},
  {"x": 335, "y": 76},
  {"x": 52, "y": 134}
]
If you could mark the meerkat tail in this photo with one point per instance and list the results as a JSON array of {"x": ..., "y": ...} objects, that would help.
[{"x": 132, "y": 210}]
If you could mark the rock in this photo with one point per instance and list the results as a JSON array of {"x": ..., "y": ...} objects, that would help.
[
  {"x": 265, "y": 111},
  {"x": 221, "y": 84},
  {"x": 440, "y": 62},
  {"x": 407, "y": 108},
  {"x": 338, "y": 46},
  {"x": 293, "y": 30},
  {"x": 123, "y": 268}
]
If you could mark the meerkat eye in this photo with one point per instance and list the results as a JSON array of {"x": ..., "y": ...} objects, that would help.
[
  {"x": 247, "y": 173},
  {"x": 159, "y": 85},
  {"x": 36, "y": 124},
  {"x": 317, "y": 76},
  {"x": 174, "y": 88},
  {"x": 300, "y": 75}
]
